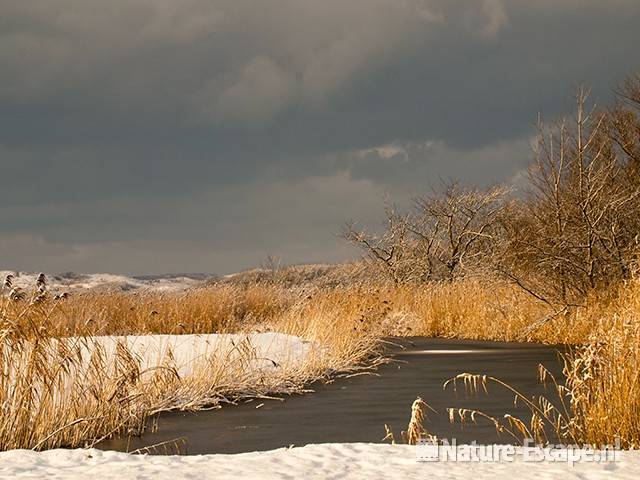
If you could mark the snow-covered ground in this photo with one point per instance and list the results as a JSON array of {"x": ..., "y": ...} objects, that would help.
[
  {"x": 191, "y": 352},
  {"x": 265, "y": 351},
  {"x": 206, "y": 363},
  {"x": 106, "y": 281},
  {"x": 354, "y": 461}
]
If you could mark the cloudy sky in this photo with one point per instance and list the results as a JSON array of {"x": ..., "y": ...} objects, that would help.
[{"x": 149, "y": 136}]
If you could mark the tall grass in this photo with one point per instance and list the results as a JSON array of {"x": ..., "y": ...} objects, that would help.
[
  {"x": 477, "y": 309},
  {"x": 603, "y": 377},
  {"x": 468, "y": 308},
  {"x": 216, "y": 309},
  {"x": 51, "y": 396},
  {"x": 59, "y": 387},
  {"x": 598, "y": 400}
]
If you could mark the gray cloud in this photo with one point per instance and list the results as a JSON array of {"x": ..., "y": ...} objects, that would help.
[{"x": 155, "y": 135}]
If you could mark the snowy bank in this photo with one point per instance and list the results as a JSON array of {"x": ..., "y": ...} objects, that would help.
[
  {"x": 356, "y": 460},
  {"x": 190, "y": 352},
  {"x": 210, "y": 367}
]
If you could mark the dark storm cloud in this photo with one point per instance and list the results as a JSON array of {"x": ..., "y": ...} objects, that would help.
[{"x": 154, "y": 135}]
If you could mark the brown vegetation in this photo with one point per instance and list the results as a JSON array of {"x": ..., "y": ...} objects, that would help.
[
  {"x": 60, "y": 387},
  {"x": 573, "y": 230},
  {"x": 557, "y": 265},
  {"x": 570, "y": 242}
]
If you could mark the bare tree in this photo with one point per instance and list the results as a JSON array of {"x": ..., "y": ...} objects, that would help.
[
  {"x": 396, "y": 251},
  {"x": 459, "y": 225},
  {"x": 576, "y": 231},
  {"x": 442, "y": 237}
]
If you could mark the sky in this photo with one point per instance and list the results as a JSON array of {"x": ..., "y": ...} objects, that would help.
[{"x": 157, "y": 136}]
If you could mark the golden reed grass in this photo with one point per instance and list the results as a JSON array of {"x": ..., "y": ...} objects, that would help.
[
  {"x": 473, "y": 308},
  {"x": 58, "y": 386},
  {"x": 598, "y": 401},
  {"x": 217, "y": 309},
  {"x": 110, "y": 395}
]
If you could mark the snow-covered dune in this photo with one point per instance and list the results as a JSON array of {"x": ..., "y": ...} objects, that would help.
[
  {"x": 106, "y": 281},
  {"x": 354, "y": 461}
]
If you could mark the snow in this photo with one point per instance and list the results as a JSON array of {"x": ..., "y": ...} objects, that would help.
[
  {"x": 355, "y": 461},
  {"x": 262, "y": 351},
  {"x": 190, "y": 352},
  {"x": 233, "y": 362},
  {"x": 92, "y": 281}
]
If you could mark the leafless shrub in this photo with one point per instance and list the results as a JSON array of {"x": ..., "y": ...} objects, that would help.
[
  {"x": 461, "y": 227},
  {"x": 397, "y": 252},
  {"x": 446, "y": 235},
  {"x": 577, "y": 230}
]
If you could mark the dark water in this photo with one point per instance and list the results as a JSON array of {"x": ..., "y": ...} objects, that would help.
[{"x": 356, "y": 409}]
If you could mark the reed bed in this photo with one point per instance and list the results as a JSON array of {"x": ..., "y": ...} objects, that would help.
[
  {"x": 467, "y": 308},
  {"x": 58, "y": 386},
  {"x": 217, "y": 309},
  {"x": 603, "y": 379},
  {"x": 597, "y": 403}
]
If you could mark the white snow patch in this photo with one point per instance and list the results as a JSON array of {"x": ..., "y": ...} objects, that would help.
[
  {"x": 201, "y": 358},
  {"x": 264, "y": 350},
  {"x": 350, "y": 460},
  {"x": 90, "y": 281}
]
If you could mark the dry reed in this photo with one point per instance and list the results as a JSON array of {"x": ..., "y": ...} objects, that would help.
[
  {"x": 60, "y": 387},
  {"x": 598, "y": 401},
  {"x": 107, "y": 394}
]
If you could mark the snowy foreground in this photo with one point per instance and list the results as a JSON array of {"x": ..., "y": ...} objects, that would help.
[{"x": 351, "y": 460}]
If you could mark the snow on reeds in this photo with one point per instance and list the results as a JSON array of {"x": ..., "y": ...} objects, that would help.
[
  {"x": 63, "y": 384},
  {"x": 76, "y": 368},
  {"x": 598, "y": 400}
]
